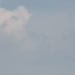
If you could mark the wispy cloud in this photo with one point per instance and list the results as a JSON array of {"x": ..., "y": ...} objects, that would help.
[{"x": 14, "y": 22}]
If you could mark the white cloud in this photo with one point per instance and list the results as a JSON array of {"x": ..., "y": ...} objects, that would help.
[{"x": 14, "y": 22}]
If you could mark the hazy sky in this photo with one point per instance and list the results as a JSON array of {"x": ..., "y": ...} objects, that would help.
[{"x": 37, "y": 37}]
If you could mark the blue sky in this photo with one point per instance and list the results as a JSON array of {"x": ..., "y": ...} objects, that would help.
[
  {"x": 37, "y": 37},
  {"x": 40, "y": 4}
]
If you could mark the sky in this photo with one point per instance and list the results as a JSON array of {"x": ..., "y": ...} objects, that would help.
[{"x": 37, "y": 37}]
